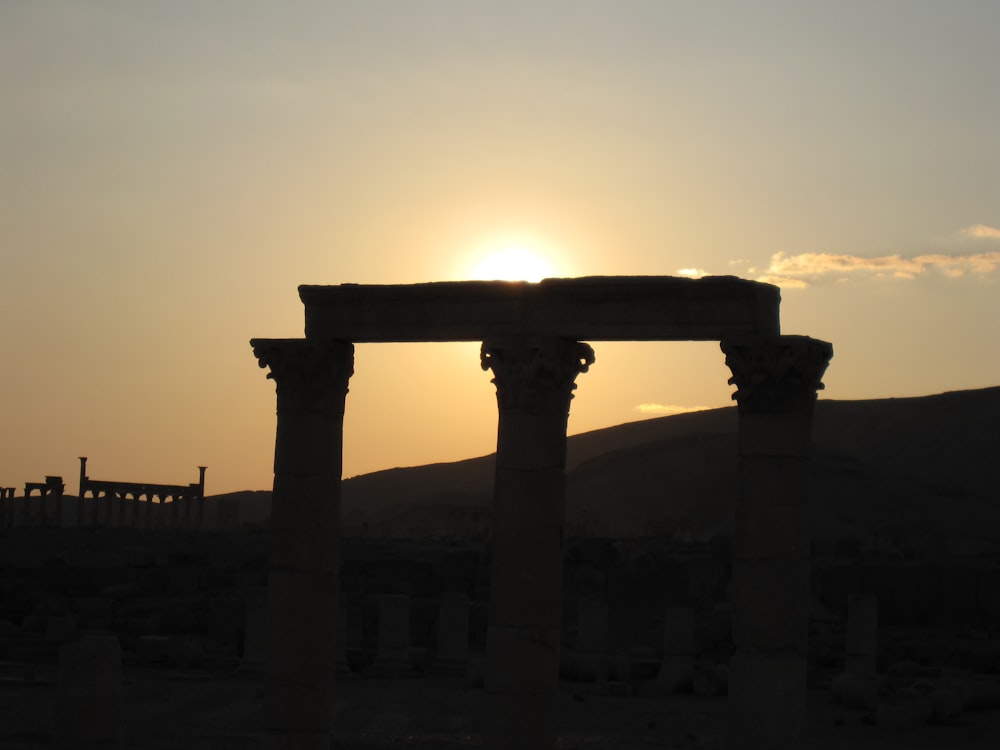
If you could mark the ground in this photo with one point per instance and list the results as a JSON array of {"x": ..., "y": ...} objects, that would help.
[{"x": 214, "y": 709}]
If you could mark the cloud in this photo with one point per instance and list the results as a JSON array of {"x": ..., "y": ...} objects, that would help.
[
  {"x": 666, "y": 409},
  {"x": 798, "y": 271},
  {"x": 981, "y": 231}
]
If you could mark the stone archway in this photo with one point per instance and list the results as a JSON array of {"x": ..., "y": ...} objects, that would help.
[{"x": 533, "y": 341}]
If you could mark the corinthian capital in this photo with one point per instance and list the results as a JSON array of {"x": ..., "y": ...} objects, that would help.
[
  {"x": 307, "y": 374},
  {"x": 536, "y": 374},
  {"x": 777, "y": 375}
]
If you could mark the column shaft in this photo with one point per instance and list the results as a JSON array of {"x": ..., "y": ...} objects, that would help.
[
  {"x": 777, "y": 380},
  {"x": 534, "y": 380},
  {"x": 305, "y": 538}
]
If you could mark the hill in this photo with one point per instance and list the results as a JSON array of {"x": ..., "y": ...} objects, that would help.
[{"x": 899, "y": 474}]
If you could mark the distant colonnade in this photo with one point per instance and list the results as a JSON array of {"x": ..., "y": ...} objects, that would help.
[{"x": 139, "y": 505}]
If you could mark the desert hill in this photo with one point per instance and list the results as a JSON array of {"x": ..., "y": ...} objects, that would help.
[{"x": 893, "y": 473}]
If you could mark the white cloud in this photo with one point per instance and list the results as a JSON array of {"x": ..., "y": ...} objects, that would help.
[
  {"x": 982, "y": 231},
  {"x": 797, "y": 271},
  {"x": 667, "y": 409}
]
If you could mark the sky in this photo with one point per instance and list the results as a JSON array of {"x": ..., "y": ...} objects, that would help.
[{"x": 170, "y": 173}]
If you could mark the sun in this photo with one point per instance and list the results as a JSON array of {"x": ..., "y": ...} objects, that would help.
[{"x": 513, "y": 264}]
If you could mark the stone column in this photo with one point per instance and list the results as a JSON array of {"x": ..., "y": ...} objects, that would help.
[
  {"x": 534, "y": 378},
  {"x": 311, "y": 381},
  {"x": 777, "y": 380}
]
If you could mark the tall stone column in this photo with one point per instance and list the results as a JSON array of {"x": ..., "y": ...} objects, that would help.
[
  {"x": 777, "y": 380},
  {"x": 311, "y": 382},
  {"x": 534, "y": 378}
]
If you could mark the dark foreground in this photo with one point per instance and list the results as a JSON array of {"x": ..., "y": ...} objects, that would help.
[
  {"x": 181, "y": 607},
  {"x": 217, "y": 710}
]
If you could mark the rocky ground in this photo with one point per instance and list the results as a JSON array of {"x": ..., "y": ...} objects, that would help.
[
  {"x": 217, "y": 710},
  {"x": 179, "y": 607}
]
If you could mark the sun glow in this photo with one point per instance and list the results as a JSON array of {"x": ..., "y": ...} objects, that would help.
[{"x": 513, "y": 264}]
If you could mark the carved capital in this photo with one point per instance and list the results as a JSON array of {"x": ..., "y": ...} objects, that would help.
[
  {"x": 306, "y": 374},
  {"x": 777, "y": 375},
  {"x": 535, "y": 374}
]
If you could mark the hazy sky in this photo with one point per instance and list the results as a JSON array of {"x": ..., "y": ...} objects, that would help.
[{"x": 171, "y": 172}]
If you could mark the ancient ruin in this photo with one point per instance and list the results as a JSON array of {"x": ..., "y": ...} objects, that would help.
[
  {"x": 52, "y": 487},
  {"x": 140, "y": 504},
  {"x": 533, "y": 341}
]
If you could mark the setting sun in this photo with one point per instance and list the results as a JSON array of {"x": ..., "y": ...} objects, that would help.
[{"x": 513, "y": 264}]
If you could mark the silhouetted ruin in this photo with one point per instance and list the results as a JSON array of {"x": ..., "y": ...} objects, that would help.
[
  {"x": 140, "y": 504},
  {"x": 40, "y": 514},
  {"x": 532, "y": 339}
]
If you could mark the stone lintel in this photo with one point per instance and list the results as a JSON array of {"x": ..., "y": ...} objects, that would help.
[{"x": 599, "y": 308}]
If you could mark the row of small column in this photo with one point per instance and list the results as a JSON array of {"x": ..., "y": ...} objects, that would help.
[
  {"x": 103, "y": 508},
  {"x": 32, "y": 512},
  {"x": 776, "y": 381},
  {"x": 129, "y": 509}
]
